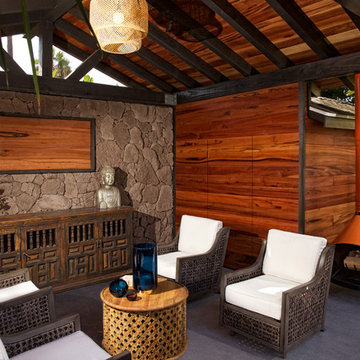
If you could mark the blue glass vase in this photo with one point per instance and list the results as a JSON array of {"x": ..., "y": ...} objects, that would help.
[{"x": 145, "y": 266}]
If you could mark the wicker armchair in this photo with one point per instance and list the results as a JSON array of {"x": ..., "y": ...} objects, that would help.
[
  {"x": 197, "y": 264},
  {"x": 26, "y": 307},
  {"x": 301, "y": 306},
  {"x": 60, "y": 339}
]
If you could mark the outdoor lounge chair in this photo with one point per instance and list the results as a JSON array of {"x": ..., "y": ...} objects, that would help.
[
  {"x": 281, "y": 299},
  {"x": 22, "y": 304},
  {"x": 196, "y": 256},
  {"x": 58, "y": 340}
]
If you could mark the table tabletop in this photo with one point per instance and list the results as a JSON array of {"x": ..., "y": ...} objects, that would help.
[{"x": 167, "y": 294}]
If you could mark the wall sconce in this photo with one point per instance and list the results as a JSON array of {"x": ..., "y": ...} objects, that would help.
[{"x": 119, "y": 25}]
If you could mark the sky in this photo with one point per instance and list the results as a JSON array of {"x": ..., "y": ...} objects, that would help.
[{"x": 22, "y": 57}]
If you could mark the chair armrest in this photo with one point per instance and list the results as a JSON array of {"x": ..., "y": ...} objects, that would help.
[
  {"x": 124, "y": 355},
  {"x": 308, "y": 300},
  {"x": 27, "y": 340},
  {"x": 14, "y": 277},
  {"x": 167, "y": 248},
  {"x": 27, "y": 311},
  {"x": 203, "y": 271}
]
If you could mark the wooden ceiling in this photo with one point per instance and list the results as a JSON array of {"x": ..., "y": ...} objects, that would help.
[{"x": 262, "y": 41}]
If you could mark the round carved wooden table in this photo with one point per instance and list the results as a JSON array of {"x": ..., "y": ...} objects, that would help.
[{"x": 152, "y": 327}]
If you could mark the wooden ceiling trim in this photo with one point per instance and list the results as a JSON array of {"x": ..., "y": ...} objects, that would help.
[
  {"x": 87, "y": 65},
  {"x": 45, "y": 48},
  {"x": 103, "y": 67},
  {"x": 351, "y": 5},
  {"x": 354, "y": 18},
  {"x": 61, "y": 87},
  {"x": 12, "y": 65},
  {"x": 123, "y": 61},
  {"x": 184, "y": 54},
  {"x": 171, "y": 11},
  {"x": 167, "y": 67},
  {"x": 241, "y": 24},
  {"x": 331, "y": 67},
  {"x": 306, "y": 29}
]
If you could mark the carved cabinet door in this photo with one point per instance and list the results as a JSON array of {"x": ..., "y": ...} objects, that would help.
[
  {"x": 9, "y": 250},
  {"x": 81, "y": 248},
  {"x": 40, "y": 252},
  {"x": 114, "y": 236}
]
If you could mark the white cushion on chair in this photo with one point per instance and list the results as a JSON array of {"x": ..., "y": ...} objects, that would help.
[
  {"x": 74, "y": 346},
  {"x": 292, "y": 256},
  {"x": 17, "y": 290},
  {"x": 262, "y": 294},
  {"x": 3, "y": 353},
  {"x": 167, "y": 263},
  {"x": 197, "y": 234}
]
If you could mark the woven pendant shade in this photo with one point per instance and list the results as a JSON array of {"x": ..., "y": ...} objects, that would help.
[{"x": 119, "y": 25}]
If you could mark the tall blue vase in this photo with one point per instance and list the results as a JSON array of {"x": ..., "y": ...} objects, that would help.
[{"x": 145, "y": 266}]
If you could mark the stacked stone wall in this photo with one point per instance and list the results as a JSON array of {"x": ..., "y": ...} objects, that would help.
[{"x": 135, "y": 139}]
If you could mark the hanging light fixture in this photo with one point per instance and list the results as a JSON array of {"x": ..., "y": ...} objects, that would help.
[{"x": 119, "y": 25}]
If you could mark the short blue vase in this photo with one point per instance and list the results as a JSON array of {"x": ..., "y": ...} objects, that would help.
[
  {"x": 145, "y": 266},
  {"x": 118, "y": 287}
]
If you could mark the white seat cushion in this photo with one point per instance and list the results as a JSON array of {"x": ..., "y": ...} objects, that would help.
[
  {"x": 74, "y": 346},
  {"x": 3, "y": 353},
  {"x": 292, "y": 256},
  {"x": 262, "y": 294},
  {"x": 197, "y": 234},
  {"x": 17, "y": 290},
  {"x": 167, "y": 263}
]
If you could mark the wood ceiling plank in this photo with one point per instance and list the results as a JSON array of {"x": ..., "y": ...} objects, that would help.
[
  {"x": 306, "y": 29},
  {"x": 123, "y": 61},
  {"x": 352, "y": 5},
  {"x": 249, "y": 31},
  {"x": 196, "y": 30}
]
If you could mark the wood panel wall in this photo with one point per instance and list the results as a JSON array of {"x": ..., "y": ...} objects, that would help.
[
  {"x": 330, "y": 179},
  {"x": 237, "y": 161}
]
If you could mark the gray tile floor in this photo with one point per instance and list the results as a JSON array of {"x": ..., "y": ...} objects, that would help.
[{"x": 209, "y": 341}]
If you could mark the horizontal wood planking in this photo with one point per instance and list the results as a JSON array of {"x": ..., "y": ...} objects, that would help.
[
  {"x": 329, "y": 180},
  {"x": 237, "y": 161},
  {"x": 44, "y": 144}
]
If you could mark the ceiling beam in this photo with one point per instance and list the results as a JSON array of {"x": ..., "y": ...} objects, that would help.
[
  {"x": 87, "y": 65},
  {"x": 11, "y": 6},
  {"x": 321, "y": 69},
  {"x": 45, "y": 48},
  {"x": 355, "y": 18},
  {"x": 352, "y": 5},
  {"x": 242, "y": 25},
  {"x": 61, "y": 87},
  {"x": 171, "y": 45},
  {"x": 104, "y": 68},
  {"x": 121, "y": 60},
  {"x": 304, "y": 27},
  {"x": 195, "y": 29},
  {"x": 167, "y": 68},
  {"x": 12, "y": 65}
]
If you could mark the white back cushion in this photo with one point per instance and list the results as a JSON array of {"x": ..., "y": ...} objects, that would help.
[
  {"x": 74, "y": 346},
  {"x": 292, "y": 256},
  {"x": 17, "y": 290},
  {"x": 3, "y": 353},
  {"x": 197, "y": 234}
]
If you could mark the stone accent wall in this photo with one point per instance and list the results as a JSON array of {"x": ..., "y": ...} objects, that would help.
[{"x": 135, "y": 139}]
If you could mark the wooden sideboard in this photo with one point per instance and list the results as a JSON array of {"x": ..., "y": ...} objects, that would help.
[{"x": 68, "y": 248}]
